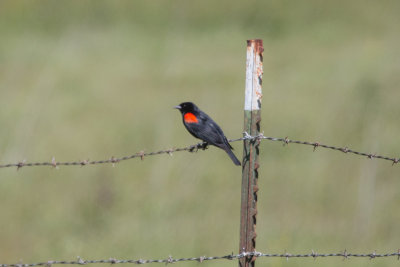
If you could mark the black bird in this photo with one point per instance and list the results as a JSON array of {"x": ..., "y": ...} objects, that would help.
[{"x": 201, "y": 126}]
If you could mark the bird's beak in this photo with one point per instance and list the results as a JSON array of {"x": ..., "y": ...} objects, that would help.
[{"x": 178, "y": 107}]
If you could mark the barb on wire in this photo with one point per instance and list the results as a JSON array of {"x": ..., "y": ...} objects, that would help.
[
  {"x": 170, "y": 259},
  {"x": 193, "y": 148}
]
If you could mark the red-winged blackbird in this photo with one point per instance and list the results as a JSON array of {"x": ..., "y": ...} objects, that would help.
[{"x": 201, "y": 126}]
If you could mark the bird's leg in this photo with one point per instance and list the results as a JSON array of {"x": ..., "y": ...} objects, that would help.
[
  {"x": 203, "y": 145},
  {"x": 195, "y": 148}
]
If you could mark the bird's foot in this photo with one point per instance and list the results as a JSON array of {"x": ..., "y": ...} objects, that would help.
[
  {"x": 203, "y": 145},
  {"x": 195, "y": 148}
]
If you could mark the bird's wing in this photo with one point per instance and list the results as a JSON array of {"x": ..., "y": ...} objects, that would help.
[{"x": 209, "y": 131}]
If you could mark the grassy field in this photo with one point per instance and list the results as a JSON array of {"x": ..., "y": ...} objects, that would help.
[{"x": 94, "y": 79}]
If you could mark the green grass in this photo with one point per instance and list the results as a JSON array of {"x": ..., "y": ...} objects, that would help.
[{"x": 95, "y": 79}]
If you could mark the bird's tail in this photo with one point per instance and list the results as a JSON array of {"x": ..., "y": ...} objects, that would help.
[{"x": 233, "y": 157}]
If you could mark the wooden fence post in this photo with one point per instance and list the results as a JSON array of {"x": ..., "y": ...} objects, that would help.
[{"x": 252, "y": 118}]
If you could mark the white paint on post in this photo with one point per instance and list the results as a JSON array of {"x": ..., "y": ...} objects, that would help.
[{"x": 254, "y": 71}]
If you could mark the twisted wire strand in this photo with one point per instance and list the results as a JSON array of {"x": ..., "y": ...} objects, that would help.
[
  {"x": 249, "y": 255},
  {"x": 316, "y": 145},
  {"x": 195, "y": 148}
]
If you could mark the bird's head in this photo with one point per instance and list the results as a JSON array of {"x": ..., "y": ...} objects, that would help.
[{"x": 186, "y": 107}]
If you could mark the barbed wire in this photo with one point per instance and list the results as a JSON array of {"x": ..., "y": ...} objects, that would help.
[
  {"x": 248, "y": 255},
  {"x": 112, "y": 160},
  {"x": 193, "y": 148},
  {"x": 287, "y": 141}
]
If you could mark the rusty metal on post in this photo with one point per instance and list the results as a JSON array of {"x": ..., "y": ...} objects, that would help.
[{"x": 252, "y": 118}]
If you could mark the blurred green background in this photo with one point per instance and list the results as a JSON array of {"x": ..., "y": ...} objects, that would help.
[{"x": 94, "y": 79}]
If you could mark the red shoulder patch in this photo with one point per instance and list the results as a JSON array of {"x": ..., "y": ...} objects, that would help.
[{"x": 190, "y": 118}]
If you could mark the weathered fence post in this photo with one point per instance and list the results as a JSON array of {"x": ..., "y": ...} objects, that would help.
[{"x": 252, "y": 118}]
